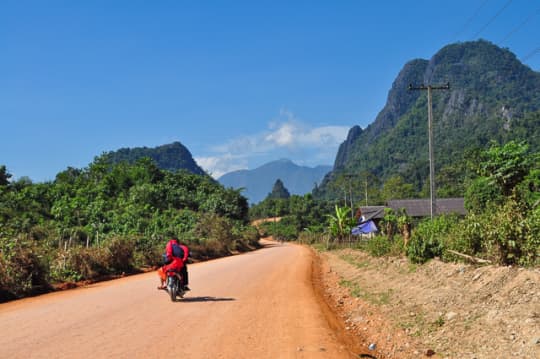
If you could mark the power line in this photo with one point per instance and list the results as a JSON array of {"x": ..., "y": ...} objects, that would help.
[
  {"x": 514, "y": 30},
  {"x": 493, "y": 18},
  {"x": 470, "y": 19},
  {"x": 530, "y": 54}
]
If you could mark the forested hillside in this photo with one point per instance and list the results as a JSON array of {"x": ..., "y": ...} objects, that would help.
[
  {"x": 492, "y": 97},
  {"x": 171, "y": 157}
]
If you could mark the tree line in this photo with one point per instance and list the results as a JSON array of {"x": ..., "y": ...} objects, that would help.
[
  {"x": 111, "y": 218},
  {"x": 502, "y": 225}
]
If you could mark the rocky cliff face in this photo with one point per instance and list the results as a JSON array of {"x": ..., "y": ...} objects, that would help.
[
  {"x": 346, "y": 147},
  {"x": 400, "y": 99}
]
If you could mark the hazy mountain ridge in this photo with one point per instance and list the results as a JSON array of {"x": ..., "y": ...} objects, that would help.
[{"x": 259, "y": 181}]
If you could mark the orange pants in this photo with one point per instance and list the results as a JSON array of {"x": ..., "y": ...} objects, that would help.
[{"x": 161, "y": 274}]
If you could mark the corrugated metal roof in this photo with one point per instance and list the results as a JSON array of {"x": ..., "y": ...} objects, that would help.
[
  {"x": 422, "y": 207},
  {"x": 373, "y": 212}
]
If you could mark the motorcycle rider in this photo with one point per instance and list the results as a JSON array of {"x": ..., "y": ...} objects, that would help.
[{"x": 173, "y": 259}]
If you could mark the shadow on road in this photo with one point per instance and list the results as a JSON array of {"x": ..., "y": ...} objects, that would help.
[
  {"x": 205, "y": 299},
  {"x": 270, "y": 245}
]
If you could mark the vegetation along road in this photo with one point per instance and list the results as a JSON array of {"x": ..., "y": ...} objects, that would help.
[{"x": 257, "y": 305}]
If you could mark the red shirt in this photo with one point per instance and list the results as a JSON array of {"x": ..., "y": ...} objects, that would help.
[{"x": 186, "y": 252}]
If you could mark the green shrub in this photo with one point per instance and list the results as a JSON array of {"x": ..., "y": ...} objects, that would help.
[
  {"x": 480, "y": 193},
  {"x": 531, "y": 247},
  {"x": 208, "y": 248},
  {"x": 465, "y": 236},
  {"x": 148, "y": 251},
  {"x": 83, "y": 263},
  {"x": 246, "y": 237},
  {"x": 428, "y": 239},
  {"x": 23, "y": 267},
  {"x": 213, "y": 227},
  {"x": 284, "y": 230},
  {"x": 504, "y": 232},
  {"x": 120, "y": 256},
  {"x": 381, "y": 245}
]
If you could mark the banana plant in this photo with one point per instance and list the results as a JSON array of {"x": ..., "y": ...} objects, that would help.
[{"x": 340, "y": 224}]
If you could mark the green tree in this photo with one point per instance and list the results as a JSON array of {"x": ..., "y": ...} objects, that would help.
[
  {"x": 396, "y": 188},
  {"x": 507, "y": 165},
  {"x": 4, "y": 176}
]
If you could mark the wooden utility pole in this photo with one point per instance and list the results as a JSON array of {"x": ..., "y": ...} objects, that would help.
[
  {"x": 429, "y": 88},
  {"x": 366, "y": 192},
  {"x": 349, "y": 177}
]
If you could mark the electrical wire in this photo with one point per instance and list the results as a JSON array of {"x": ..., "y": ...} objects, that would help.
[
  {"x": 523, "y": 23},
  {"x": 470, "y": 19},
  {"x": 493, "y": 18},
  {"x": 530, "y": 54}
]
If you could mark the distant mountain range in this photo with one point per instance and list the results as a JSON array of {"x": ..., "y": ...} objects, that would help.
[
  {"x": 492, "y": 97},
  {"x": 171, "y": 157},
  {"x": 259, "y": 181}
]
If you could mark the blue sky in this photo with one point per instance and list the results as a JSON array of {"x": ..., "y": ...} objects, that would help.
[{"x": 239, "y": 83}]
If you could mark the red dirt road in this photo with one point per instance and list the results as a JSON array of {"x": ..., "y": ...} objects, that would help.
[{"x": 256, "y": 305}]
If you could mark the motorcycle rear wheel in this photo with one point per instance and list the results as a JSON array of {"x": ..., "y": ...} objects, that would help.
[{"x": 173, "y": 288}]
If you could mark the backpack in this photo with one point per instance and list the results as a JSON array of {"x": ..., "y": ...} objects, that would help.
[{"x": 177, "y": 251}]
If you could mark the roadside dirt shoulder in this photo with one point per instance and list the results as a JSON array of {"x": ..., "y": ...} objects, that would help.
[{"x": 438, "y": 309}]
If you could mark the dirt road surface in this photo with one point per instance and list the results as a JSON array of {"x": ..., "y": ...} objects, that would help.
[{"x": 256, "y": 305}]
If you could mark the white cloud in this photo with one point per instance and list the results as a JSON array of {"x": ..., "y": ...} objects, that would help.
[
  {"x": 286, "y": 137},
  {"x": 220, "y": 164},
  {"x": 283, "y": 136}
]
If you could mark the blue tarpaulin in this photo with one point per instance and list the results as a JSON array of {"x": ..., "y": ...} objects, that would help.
[{"x": 364, "y": 228}]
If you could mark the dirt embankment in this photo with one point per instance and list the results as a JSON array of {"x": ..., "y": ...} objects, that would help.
[{"x": 438, "y": 309}]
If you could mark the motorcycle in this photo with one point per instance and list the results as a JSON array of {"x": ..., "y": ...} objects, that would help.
[{"x": 175, "y": 285}]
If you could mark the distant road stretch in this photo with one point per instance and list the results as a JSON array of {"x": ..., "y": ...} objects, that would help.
[{"x": 255, "y": 305}]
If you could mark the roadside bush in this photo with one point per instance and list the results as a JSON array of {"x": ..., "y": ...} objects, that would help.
[
  {"x": 531, "y": 246},
  {"x": 379, "y": 246},
  {"x": 212, "y": 227},
  {"x": 429, "y": 237},
  {"x": 382, "y": 245},
  {"x": 148, "y": 251},
  {"x": 120, "y": 256},
  {"x": 23, "y": 269},
  {"x": 207, "y": 249},
  {"x": 504, "y": 233},
  {"x": 285, "y": 232},
  {"x": 246, "y": 237},
  {"x": 83, "y": 263},
  {"x": 464, "y": 236}
]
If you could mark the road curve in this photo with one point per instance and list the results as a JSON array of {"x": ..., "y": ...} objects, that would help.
[{"x": 255, "y": 305}]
